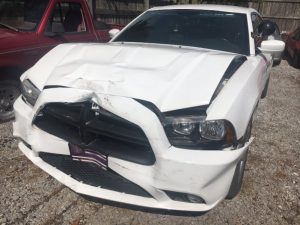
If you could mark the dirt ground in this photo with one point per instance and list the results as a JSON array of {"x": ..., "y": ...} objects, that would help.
[{"x": 270, "y": 193}]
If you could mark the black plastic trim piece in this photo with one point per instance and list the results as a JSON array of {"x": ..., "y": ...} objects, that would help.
[
  {"x": 54, "y": 86},
  {"x": 265, "y": 59},
  {"x": 96, "y": 129},
  {"x": 235, "y": 64},
  {"x": 192, "y": 111},
  {"x": 152, "y": 108},
  {"x": 93, "y": 175},
  {"x": 26, "y": 144},
  {"x": 182, "y": 197},
  {"x": 160, "y": 211}
]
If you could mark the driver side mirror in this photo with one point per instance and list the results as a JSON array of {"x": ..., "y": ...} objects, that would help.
[
  {"x": 273, "y": 48},
  {"x": 113, "y": 32}
]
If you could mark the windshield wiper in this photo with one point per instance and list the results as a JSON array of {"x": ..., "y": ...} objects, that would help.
[{"x": 9, "y": 27}]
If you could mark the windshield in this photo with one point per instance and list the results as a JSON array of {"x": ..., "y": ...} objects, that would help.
[
  {"x": 21, "y": 14},
  {"x": 197, "y": 28}
]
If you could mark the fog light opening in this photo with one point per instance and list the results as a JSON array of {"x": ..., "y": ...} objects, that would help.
[
  {"x": 195, "y": 199},
  {"x": 184, "y": 197}
]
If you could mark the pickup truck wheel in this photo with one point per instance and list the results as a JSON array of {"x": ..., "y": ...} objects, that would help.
[
  {"x": 296, "y": 61},
  {"x": 9, "y": 92},
  {"x": 237, "y": 180}
]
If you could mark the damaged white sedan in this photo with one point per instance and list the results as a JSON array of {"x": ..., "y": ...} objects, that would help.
[{"x": 160, "y": 117}]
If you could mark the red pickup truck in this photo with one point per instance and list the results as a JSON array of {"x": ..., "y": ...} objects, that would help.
[{"x": 30, "y": 28}]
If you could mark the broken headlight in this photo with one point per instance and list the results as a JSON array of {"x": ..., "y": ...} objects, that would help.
[
  {"x": 30, "y": 92},
  {"x": 195, "y": 132}
]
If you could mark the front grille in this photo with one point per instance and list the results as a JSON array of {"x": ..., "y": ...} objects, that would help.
[
  {"x": 93, "y": 175},
  {"x": 96, "y": 129}
]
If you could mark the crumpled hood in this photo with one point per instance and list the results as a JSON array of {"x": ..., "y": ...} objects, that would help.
[{"x": 169, "y": 77}]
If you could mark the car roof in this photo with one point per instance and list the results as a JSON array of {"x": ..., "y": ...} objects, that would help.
[{"x": 222, "y": 8}]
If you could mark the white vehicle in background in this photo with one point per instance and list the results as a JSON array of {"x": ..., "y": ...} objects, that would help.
[{"x": 160, "y": 117}]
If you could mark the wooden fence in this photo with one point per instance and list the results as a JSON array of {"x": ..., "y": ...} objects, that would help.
[
  {"x": 122, "y": 11},
  {"x": 286, "y": 13}
]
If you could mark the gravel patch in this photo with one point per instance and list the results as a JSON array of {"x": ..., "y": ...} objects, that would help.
[{"x": 270, "y": 192}]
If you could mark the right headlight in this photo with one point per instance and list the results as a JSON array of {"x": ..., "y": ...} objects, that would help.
[
  {"x": 188, "y": 128},
  {"x": 195, "y": 132},
  {"x": 30, "y": 92}
]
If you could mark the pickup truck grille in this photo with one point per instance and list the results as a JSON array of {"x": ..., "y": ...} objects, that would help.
[{"x": 92, "y": 127}]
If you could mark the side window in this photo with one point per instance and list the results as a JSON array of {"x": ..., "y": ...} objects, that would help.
[
  {"x": 66, "y": 18},
  {"x": 256, "y": 21}
]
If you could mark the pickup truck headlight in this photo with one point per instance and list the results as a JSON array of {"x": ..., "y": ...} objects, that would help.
[
  {"x": 30, "y": 92},
  {"x": 197, "y": 133}
]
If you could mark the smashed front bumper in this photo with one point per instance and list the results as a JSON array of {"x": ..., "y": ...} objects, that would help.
[{"x": 159, "y": 184}]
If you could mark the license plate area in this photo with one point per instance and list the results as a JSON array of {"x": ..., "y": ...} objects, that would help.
[{"x": 88, "y": 156}]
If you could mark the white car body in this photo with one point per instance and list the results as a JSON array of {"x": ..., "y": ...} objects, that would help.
[{"x": 115, "y": 76}]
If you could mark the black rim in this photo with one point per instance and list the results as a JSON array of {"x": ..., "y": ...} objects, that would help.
[{"x": 8, "y": 96}]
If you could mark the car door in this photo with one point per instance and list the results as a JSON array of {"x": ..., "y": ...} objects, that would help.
[
  {"x": 67, "y": 22},
  {"x": 264, "y": 61}
]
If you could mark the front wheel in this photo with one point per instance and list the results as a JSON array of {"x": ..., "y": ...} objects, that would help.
[
  {"x": 276, "y": 63},
  {"x": 237, "y": 180},
  {"x": 9, "y": 92}
]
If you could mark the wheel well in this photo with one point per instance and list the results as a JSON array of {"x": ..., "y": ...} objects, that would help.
[
  {"x": 243, "y": 140},
  {"x": 10, "y": 73}
]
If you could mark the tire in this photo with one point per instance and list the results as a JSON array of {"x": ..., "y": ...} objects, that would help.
[
  {"x": 9, "y": 92},
  {"x": 265, "y": 91},
  {"x": 237, "y": 180},
  {"x": 285, "y": 54},
  {"x": 296, "y": 61},
  {"x": 276, "y": 63}
]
